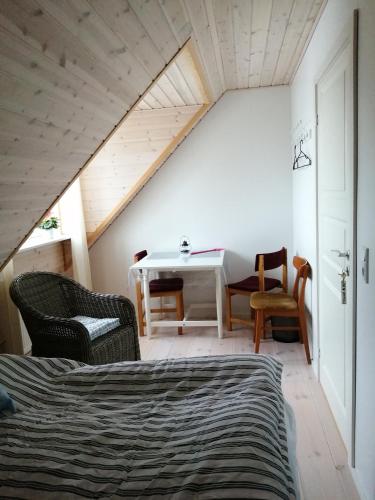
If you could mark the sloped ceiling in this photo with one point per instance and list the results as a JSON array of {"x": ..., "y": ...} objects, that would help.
[{"x": 71, "y": 69}]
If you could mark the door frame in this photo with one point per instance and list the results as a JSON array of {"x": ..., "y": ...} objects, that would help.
[{"x": 348, "y": 35}]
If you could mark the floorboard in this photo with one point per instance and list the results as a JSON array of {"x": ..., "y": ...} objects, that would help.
[{"x": 322, "y": 459}]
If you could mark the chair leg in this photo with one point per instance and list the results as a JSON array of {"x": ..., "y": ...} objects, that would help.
[
  {"x": 180, "y": 310},
  {"x": 264, "y": 319},
  {"x": 228, "y": 312},
  {"x": 300, "y": 336},
  {"x": 255, "y": 327},
  {"x": 141, "y": 329},
  {"x": 259, "y": 319},
  {"x": 252, "y": 313},
  {"x": 305, "y": 339}
]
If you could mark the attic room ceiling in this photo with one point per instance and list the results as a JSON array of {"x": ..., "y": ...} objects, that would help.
[{"x": 71, "y": 69}]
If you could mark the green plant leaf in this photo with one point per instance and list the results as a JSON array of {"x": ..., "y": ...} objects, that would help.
[{"x": 51, "y": 223}]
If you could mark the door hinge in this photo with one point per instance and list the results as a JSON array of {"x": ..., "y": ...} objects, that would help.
[{"x": 317, "y": 120}]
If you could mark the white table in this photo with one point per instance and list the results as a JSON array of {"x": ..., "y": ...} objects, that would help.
[{"x": 172, "y": 261}]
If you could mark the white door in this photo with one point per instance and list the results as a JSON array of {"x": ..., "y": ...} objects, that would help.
[{"x": 335, "y": 234}]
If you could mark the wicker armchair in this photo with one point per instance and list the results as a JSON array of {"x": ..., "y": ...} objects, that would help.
[{"x": 48, "y": 301}]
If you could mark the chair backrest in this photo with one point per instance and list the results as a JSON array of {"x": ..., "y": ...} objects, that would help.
[
  {"x": 140, "y": 255},
  {"x": 303, "y": 270},
  {"x": 272, "y": 260},
  {"x": 138, "y": 285},
  {"x": 42, "y": 292}
]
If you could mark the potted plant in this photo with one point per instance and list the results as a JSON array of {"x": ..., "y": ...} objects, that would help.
[{"x": 50, "y": 224}]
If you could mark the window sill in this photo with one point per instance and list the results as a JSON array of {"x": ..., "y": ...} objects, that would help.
[{"x": 40, "y": 244}]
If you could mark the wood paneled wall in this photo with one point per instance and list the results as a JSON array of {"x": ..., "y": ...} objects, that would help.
[
  {"x": 55, "y": 257},
  {"x": 10, "y": 328},
  {"x": 127, "y": 156},
  {"x": 4, "y": 347}
]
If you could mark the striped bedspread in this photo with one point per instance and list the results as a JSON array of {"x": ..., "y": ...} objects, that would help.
[{"x": 196, "y": 428}]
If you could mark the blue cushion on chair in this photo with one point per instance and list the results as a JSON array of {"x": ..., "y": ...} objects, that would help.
[
  {"x": 97, "y": 326},
  {"x": 6, "y": 402}
]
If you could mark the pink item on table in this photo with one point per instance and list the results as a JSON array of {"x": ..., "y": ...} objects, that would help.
[{"x": 206, "y": 251}]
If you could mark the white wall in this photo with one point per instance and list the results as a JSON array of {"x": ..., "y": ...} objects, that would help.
[
  {"x": 336, "y": 15},
  {"x": 228, "y": 185}
]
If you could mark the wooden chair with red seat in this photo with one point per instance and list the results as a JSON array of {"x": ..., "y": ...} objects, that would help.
[
  {"x": 281, "y": 304},
  {"x": 263, "y": 262},
  {"x": 159, "y": 288}
]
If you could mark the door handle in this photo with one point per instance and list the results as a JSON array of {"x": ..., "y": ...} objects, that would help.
[{"x": 341, "y": 253}]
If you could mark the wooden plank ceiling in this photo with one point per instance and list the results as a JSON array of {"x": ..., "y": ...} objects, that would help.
[
  {"x": 179, "y": 85},
  {"x": 71, "y": 69}
]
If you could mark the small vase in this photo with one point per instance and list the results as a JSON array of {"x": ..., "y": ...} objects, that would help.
[
  {"x": 51, "y": 234},
  {"x": 185, "y": 246}
]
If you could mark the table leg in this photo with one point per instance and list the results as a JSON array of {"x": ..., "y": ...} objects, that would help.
[
  {"x": 219, "y": 303},
  {"x": 147, "y": 299}
]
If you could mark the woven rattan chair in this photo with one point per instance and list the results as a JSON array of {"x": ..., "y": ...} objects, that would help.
[{"x": 48, "y": 301}]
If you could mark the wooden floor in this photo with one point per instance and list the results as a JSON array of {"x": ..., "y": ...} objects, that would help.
[{"x": 322, "y": 460}]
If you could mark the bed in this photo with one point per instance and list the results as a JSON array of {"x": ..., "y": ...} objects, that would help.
[{"x": 194, "y": 428}]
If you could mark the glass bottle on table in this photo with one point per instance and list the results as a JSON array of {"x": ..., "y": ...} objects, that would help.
[{"x": 185, "y": 246}]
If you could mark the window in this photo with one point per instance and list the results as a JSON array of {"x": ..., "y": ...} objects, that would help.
[{"x": 40, "y": 236}]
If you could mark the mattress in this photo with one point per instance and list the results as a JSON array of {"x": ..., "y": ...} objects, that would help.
[{"x": 195, "y": 428}]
